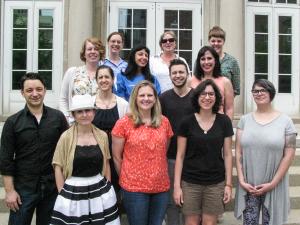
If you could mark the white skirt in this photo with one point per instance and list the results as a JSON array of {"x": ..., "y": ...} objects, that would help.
[{"x": 86, "y": 200}]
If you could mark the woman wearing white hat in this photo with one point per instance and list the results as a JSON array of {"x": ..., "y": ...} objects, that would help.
[{"x": 82, "y": 171}]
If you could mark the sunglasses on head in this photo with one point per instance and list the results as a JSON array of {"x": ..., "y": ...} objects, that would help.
[{"x": 170, "y": 40}]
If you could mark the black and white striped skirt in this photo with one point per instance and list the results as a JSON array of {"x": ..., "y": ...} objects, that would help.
[{"x": 86, "y": 200}]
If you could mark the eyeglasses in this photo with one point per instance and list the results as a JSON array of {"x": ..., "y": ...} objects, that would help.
[
  {"x": 209, "y": 94},
  {"x": 259, "y": 91},
  {"x": 170, "y": 40}
]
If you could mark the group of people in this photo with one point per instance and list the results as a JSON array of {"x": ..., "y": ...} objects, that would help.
[{"x": 147, "y": 136}]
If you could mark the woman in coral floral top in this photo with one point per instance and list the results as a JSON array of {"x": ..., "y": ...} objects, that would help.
[{"x": 140, "y": 142}]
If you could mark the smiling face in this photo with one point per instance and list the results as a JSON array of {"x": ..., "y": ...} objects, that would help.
[
  {"x": 104, "y": 80},
  {"x": 217, "y": 43},
  {"x": 91, "y": 53},
  {"x": 115, "y": 44},
  {"x": 84, "y": 117},
  {"x": 178, "y": 75},
  {"x": 141, "y": 58},
  {"x": 145, "y": 99},
  {"x": 168, "y": 43},
  {"x": 207, "y": 98},
  {"x": 34, "y": 92},
  {"x": 261, "y": 95},
  {"x": 207, "y": 63}
]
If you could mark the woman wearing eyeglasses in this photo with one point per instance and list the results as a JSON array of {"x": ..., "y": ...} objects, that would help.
[
  {"x": 203, "y": 168},
  {"x": 265, "y": 148},
  {"x": 208, "y": 66},
  {"x": 159, "y": 64}
]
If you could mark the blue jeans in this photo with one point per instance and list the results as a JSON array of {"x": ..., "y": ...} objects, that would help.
[
  {"x": 41, "y": 199},
  {"x": 144, "y": 208}
]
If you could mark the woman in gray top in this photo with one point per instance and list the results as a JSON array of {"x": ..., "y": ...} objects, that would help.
[{"x": 265, "y": 148}]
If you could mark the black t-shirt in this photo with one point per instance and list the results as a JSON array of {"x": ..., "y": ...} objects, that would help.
[
  {"x": 203, "y": 162},
  {"x": 175, "y": 108}
]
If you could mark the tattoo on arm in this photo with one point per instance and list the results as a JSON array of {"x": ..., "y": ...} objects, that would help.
[{"x": 290, "y": 141}]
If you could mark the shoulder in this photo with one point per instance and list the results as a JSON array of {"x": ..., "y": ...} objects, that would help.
[
  {"x": 121, "y": 101},
  {"x": 54, "y": 111},
  {"x": 98, "y": 132},
  {"x": 229, "y": 57},
  {"x": 166, "y": 94}
]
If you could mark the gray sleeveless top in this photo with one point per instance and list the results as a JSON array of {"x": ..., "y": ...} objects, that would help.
[{"x": 263, "y": 147}]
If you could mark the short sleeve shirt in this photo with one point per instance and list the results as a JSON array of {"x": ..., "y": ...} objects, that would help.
[
  {"x": 203, "y": 163},
  {"x": 144, "y": 165}
]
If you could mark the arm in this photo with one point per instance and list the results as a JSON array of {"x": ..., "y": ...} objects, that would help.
[
  {"x": 286, "y": 161},
  {"x": 65, "y": 91},
  {"x": 108, "y": 171},
  {"x": 181, "y": 149},
  {"x": 228, "y": 169},
  {"x": 228, "y": 98},
  {"x": 117, "y": 151},
  {"x": 59, "y": 177},
  {"x": 12, "y": 198},
  {"x": 239, "y": 163},
  {"x": 235, "y": 77}
]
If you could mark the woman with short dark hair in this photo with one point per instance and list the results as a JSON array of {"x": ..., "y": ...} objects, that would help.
[
  {"x": 203, "y": 168},
  {"x": 265, "y": 149}
]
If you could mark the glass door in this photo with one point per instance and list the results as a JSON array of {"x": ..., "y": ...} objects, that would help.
[{"x": 32, "y": 42}]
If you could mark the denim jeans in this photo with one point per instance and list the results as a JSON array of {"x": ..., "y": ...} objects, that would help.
[
  {"x": 144, "y": 208},
  {"x": 42, "y": 200}
]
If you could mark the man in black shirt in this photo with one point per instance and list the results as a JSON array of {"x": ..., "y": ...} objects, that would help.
[
  {"x": 28, "y": 141},
  {"x": 175, "y": 104}
]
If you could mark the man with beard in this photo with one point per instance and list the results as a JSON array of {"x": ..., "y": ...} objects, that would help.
[
  {"x": 28, "y": 141},
  {"x": 175, "y": 104}
]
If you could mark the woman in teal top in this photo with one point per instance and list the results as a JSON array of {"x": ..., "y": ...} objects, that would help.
[{"x": 136, "y": 71}]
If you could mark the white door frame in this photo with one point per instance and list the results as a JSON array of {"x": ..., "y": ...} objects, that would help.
[
  {"x": 285, "y": 102},
  {"x": 12, "y": 100}
]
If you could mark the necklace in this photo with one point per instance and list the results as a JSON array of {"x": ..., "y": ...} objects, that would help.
[
  {"x": 106, "y": 104},
  {"x": 205, "y": 125}
]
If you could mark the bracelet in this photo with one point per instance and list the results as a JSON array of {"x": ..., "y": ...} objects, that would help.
[{"x": 228, "y": 185}]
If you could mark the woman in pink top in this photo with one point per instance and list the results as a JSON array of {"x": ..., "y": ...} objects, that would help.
[
  {"x": 208, "y": 66},
  {"x": 139, "y": 143}
]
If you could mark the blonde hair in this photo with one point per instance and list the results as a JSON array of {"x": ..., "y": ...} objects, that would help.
[
  {"x": 170, "y": 32},
  {"x": 135, "y": 115},
  {"x": 95, "y": 41}
]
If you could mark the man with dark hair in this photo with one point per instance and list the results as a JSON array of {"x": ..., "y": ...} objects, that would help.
[
  {"x": 28, "y": 141},
  {"x": 175, "y": 104},
  {"x": 229, "y": 65}
]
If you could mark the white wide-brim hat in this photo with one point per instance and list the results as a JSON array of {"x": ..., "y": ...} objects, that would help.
[{"x": 80, "y": 102}]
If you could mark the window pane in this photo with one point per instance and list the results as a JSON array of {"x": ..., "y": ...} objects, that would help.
[
  {"x": 185, "y": 19},
  {"x": 124, "y": 54},
  {"x": 19, "y": 60},
  {"x": 47, "y": 76},
  {"x": 261, "y": 43},
  {"x": 285, "y": 44},
  {"x": 252, "y": 0},
  {"x": 20, "y": 39},
  {"x": 284, "y": 84},
  {"x": 261, "y": 76},
  {"x": 139, "y": 37},
  {"x": 127, "y": 37},
  {"x": 280, "y": 1},
  {"x": 46, "y": 18},
  {"x": 285, "y": 25},
  {"x": 187, "y": 55},
  {"x": 16, "y": 77},
  {"x": 292, "y": 1},
  {"x": 185, "y": 40},
  {"x": 264, "y": 0},
  {"x": 139, "y": 18},
  {"x": 261, "y": 23},
  {"x": 171, "y": 19},
  {"x": 45, "y": 59},
  {"x": 20, "y": 18},
  {"x": 261, "y": 63},
  {"x": 285, "y": 64},
  {"x": 125, "y": 16},
  {"x": 45, "y": 39}
]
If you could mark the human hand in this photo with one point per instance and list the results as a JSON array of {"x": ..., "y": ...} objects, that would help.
[
  {"x": 248, "y": 187},
  {"x": 178, "y": 196},
  {"x": 227, "y": 194},
  {"x": 13, "y": 200},
  {"x": 262, "y": 189}
]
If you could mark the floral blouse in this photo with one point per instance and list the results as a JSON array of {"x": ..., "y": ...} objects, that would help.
[{"x": 83, "y": 84}]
